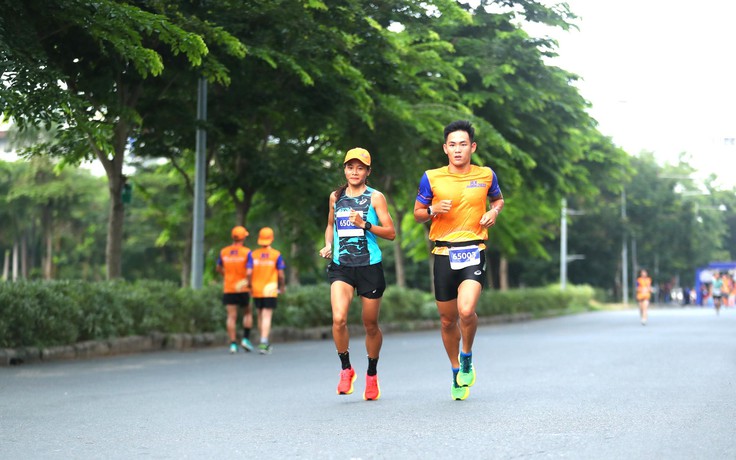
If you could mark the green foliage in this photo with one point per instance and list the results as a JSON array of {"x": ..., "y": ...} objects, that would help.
[
  {"x": 536, "y": 301},
  {"x": 306, "y": 306},
  {"x": 400, "y": 304},
  {"x": 101, "y": 312},
  {"x": 34, "y": 314},
  {"x": 292, "y": 85},
  {"x": 309, "y": 306},
  {"x": 63, "y": 313},
  {"x": 66, "y": 312}
]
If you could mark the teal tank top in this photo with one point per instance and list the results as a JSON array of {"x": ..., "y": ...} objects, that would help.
[{"x": 353, "y": 246}]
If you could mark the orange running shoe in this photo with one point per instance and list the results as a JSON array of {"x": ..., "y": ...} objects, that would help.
[
  {"x": 347, "y": 377},
  {"x": 372, "y": 390}
]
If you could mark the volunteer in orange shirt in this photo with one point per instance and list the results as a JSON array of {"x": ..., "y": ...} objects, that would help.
[
  {"x": 267, "y": 282},
  {"x": 232, "y": 263},
  {"x": 455, "y": 199}
]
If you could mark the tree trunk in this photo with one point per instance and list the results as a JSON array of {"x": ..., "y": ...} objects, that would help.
[
  {"x": 115, "y": 181},
  {"x": 293, "y": 271},
  {"x": 15, "y": 260},
  {"x": 24, "y": 256},
  {"x": 6, "y": 265},
  {"x": 113, "y": 163},
  {"x": 399, "y": 253},
  {"x": 242, "y": 206},
  {"x": 114, "y": 249},
  {"x": 503, "y": 273},
  {"x": 186, "y": 262},
  {"x": 48, "y": 235},
  {"x": 48, "y": 263}
]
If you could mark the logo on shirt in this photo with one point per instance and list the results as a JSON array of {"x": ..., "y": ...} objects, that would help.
[{"x": 476, "y": 184}]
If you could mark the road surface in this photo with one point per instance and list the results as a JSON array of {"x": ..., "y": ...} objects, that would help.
[{"x": 595, "y": 385}]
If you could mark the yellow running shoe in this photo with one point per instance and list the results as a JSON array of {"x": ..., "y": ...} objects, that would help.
[
  {"x": 466, "y": 376},
  {"x": 458, "y": 393}
]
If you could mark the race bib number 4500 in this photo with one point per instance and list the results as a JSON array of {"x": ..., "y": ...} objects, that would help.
[
  {"x": 465, "y": 256},
  {"x": 345, "y": 228}
]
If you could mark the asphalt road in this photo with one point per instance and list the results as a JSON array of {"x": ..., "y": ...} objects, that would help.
[{"x": 589, "y": 386}]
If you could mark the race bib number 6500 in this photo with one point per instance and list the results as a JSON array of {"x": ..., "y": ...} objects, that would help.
[
  {"x": 344, "y": 227},
  {"x": 465, "y": 256}
]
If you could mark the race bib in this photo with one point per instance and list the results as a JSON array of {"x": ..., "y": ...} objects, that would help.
[
  {"x": 465, "y": 256},
  {"x": 345, "y": 228}
]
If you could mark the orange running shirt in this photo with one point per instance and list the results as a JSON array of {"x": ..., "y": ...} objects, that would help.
[
  {"x": 266, "y": 263},
  {"x": 469, "y": 194},
  {"x": 643, "y": 288},
  {"x": 234, "y": 260}
]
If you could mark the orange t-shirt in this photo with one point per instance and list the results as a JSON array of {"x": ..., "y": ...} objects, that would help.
[
  {"x": 234, "y": 260},
  {"x": 643, "y": 288},
  {"x": 469, "y": 194},
  {"x": 266, "y": 263}
]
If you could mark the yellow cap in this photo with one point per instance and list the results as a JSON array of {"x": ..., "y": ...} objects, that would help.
[{"x": 359, "y": 154}]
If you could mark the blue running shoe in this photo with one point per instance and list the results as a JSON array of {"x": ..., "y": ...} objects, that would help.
[{"x": 246, "y": 344}]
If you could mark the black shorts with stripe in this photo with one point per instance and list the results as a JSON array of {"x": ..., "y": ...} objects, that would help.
[{"x": 447, "y": 281}]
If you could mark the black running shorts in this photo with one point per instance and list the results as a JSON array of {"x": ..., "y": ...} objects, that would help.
[
  {"x": 368, "y": 280},
  {"x": 240, "y": 299},
  {"x": 447, "y": 281},
  {"x": 265, "y": 302}
]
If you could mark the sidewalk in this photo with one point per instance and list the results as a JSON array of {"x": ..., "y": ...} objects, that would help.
[{"x": 182, "y": 342}]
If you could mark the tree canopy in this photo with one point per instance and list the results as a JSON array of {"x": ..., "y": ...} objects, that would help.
[{"x": 293, "y": 84}]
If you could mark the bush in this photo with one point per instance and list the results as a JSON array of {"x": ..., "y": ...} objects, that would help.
[
  {"x": 400, "y": 304},
  {"x": 536, "y": 301},
  {"x": 198, "y": 310},
  {"x": 99, "y": 307},
  {"x": 44, "y": 314},
  {"x": 305, "y": 306},
  {"x": 33, "y": 314}
]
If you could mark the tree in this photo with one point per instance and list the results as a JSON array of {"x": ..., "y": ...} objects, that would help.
[
  {"x": 320, "y": 78},
  {"x": 92, "y": 84}
]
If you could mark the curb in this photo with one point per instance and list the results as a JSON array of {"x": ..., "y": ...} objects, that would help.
[{"x": 157, "y": 341}]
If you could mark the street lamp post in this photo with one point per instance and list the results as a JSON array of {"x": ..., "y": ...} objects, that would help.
[
  {"x": 197, "y": 269},
  {"x": 563, "y": 244},
  {"x": 624, "y": 253}
]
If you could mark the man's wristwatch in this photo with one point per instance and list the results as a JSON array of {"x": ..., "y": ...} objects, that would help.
[
  {"x": 429, "y": 210},
  {"x": 368, "y": 226}
]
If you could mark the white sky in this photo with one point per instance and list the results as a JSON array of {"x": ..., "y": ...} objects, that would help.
[{"x": 660, "y": 75}]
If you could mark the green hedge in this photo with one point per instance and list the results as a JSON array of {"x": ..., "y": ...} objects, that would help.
[
  {"x": 43, "y": 314},
  {"x": 537, "y": 301}
]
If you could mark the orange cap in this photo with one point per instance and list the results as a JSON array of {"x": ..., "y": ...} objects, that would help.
[
  {"x": 239, "y": 233},
  {"x": 265, "y": 236},
  {"x": 359, "y": 154}
]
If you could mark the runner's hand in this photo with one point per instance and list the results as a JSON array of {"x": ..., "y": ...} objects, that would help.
[
  {"x": 355, "y": 218},
  {"x": 442, "y": 207},
  {"x": 326, "y": 252},
  {"x": 489, "y": 218}
]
